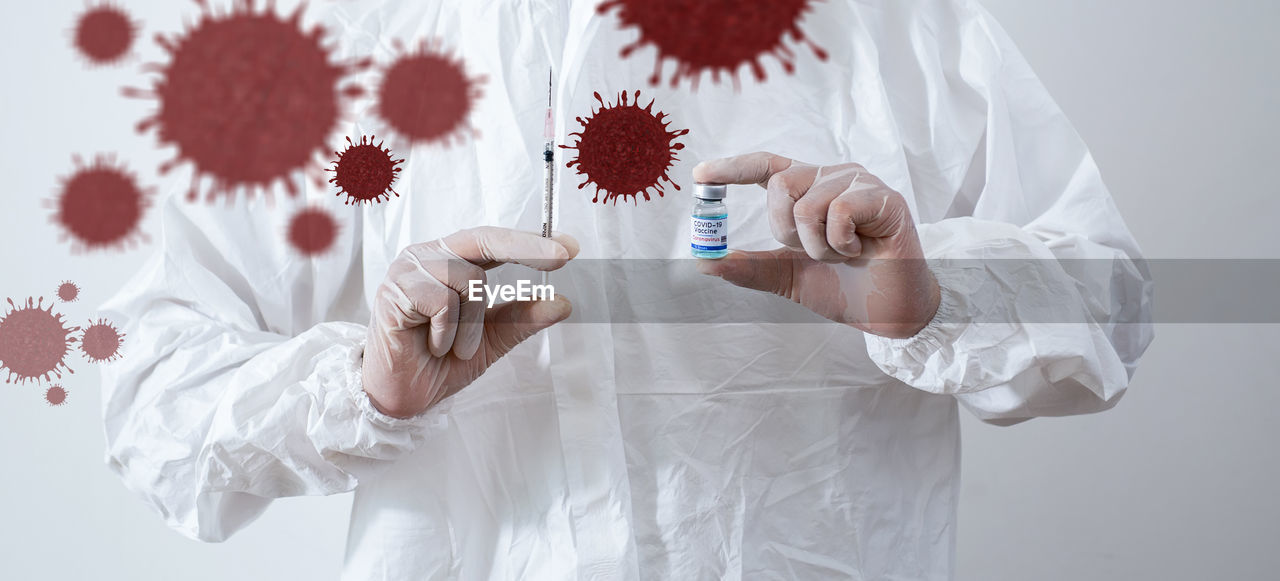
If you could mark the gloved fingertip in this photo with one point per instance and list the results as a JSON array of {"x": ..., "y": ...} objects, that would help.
[
  {"x": 569, "y": 243},
  {"x": 437, "y": 350},
  {"x": 539, "y": 315},
  {"x": 704, "y": 172},
  {"x": 712, "y": 267},
  {"x": 557, "y": 309},
  {"x": 466, "y": 352}
]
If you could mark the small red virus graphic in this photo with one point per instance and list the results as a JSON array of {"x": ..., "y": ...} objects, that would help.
[
  {"x": 104, "y": 34},
  {"x": 56, "y": 395},
  {"x": 625, "y": 150},
  {"x": 247, "y": 98},
  {"x": 426, "y": 95},
  {"x": 34, "y": 342},
  {"x": 365, "y": 172},
  {"x": 101, "y": 342},
  {"x": 100, "y": 206},
  {"x": 312, "y": 231},
  {"x": 68, "y": 292},
  {"x": 714, "y": 35}
]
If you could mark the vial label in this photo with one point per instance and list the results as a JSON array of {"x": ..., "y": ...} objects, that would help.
[{"x": 710, "y": 233}]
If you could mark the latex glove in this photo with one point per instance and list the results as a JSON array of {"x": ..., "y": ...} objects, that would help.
[
  {"x": 426, "y": 341},
  {"x": 850, "y": 254}
]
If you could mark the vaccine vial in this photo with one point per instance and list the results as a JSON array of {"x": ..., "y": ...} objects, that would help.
[{"x": 709, "y": 234}]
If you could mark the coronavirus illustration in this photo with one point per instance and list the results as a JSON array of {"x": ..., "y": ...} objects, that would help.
[
  {"x": 104, "y": 33},
  {"x": 100, "y": 206},
  {"x": 625, "y": 149},
  {"x": 365, "y": 172},
  {"x": 716, "y": 36},
  {"x": 426, "y": 96},
  {"x": 34, "y": 342},
  {"x": 248, "y": 98},
  {"x": 101, "y": 341},
  {"x": 312, "y": 231},
  {"x": 56, "y": 395},
  {"x": 68, "y": 292}
]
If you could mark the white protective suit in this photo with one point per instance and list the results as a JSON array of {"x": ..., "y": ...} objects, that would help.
[{"x": 641, "y": 451}]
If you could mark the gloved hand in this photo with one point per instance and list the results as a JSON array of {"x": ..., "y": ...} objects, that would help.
[
  {"x": 426, "y": 341},
  {"x": 851, "y": 252}
]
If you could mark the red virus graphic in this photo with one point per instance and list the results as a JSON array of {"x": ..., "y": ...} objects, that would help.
[
  {"x": 101, "y": 342},
  {"x": 714, "y": 35},
  {"x": 56, "y": 395},
  {"x": 247, "y": 98},
  {"x": 104, "y": 34},
  {"x": 313, "y": 231},
  {"x": 68, "y": 292},
  {"x": 100, "y": 206},
  {"x": 426, "y": 95},
  {"x": 365, "y": 172},
  {"x": 34, "y": 342},
  {"x": 625, "y": 150}
]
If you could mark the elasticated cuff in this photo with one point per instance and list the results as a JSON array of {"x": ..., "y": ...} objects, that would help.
[
  {"x": 908, "y": 359},
  {"x": 354, "y": 371}
]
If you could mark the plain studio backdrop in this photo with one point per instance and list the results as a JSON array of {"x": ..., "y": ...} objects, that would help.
[{"x": 1177, "y": 100}]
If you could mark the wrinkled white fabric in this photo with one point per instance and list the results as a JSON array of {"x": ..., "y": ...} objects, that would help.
[{"x": 641, "y": 451}]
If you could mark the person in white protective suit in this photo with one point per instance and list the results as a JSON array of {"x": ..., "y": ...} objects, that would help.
[{"x": 686, "y": 449}]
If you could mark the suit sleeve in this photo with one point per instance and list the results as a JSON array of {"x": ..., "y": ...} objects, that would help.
[
  {"x": 1046, "y": 300},
  {"x": 240, "y": 382}
]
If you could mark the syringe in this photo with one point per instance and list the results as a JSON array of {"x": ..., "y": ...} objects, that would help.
[{"x": 548, "y": 158}]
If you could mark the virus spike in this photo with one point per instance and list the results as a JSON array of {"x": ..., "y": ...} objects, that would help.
[
  {"x": 104, "y": 33},
  {"x": 34, "y": 342},
  {"x": 167, "y": 43},
  {"x": 625, "y": 150},
  {"x": 296, "y": 16},
  {"x": 817, "y": 50},
  {"x": 291, "y": 187},
  {"x": 56, "y": 395},
  {"x": 101, "y": 342},
  {"x": 365, "y": 172},
  {"x": 133, "y": 92},
  {"x": 145, "y": 124},
  {"x": 247, "y": 146},
  {"x": 701, "y": 41},
  {"x": 68, "y": 292},
  {"x": 100, "y": 206},
  {"x": 630, "y": 48},
  {"x": 425, "y": 95}
]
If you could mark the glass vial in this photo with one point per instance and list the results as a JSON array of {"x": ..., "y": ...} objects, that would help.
[{"x": 709, "y": 232}]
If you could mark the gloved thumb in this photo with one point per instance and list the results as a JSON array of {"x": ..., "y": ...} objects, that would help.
[
  {"x": 509, "y": 324},
  {"x": 771, "y": 271}
]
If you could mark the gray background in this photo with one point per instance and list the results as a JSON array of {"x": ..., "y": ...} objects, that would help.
[{"x": 1175, "y": 97}]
